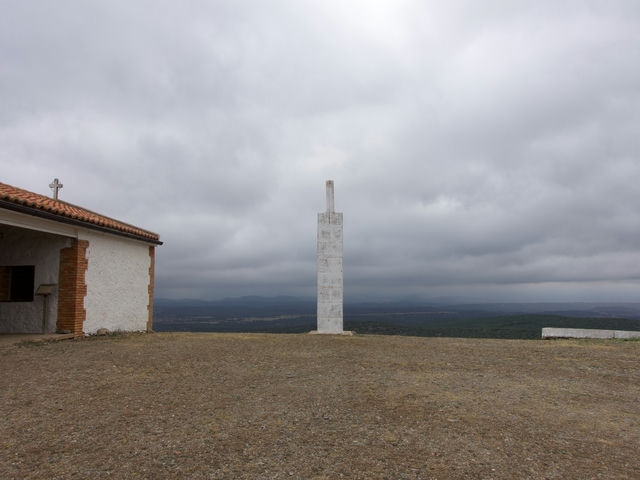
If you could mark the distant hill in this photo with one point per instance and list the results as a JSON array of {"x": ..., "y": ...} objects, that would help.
[{"x": 481, "y": 320}]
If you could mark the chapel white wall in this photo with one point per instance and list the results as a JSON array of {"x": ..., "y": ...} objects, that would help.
[
  {"x": 117, "y": 281},
  {"x": 20, "y": 246}
]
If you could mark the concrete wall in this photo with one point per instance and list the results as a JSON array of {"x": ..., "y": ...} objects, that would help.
[
  {"x": 330, "y": 273},
  {"x": 117, "y": 283},
  {"x": 20, "y": 246},
  {"x": 552, "y": 332}
]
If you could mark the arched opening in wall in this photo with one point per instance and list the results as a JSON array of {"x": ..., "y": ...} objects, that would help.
[{"x": 28, "y": 259}]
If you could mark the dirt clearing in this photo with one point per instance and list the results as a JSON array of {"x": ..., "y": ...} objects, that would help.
[{"x": 254, "y": 406}]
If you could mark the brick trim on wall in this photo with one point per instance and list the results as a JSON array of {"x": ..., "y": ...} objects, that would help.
[
  {"x": 72, "y": 287},
  {"x": 152, "y": 268}
]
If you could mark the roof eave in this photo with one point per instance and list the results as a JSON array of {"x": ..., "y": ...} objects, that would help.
[{"x": 71, "y": 221}]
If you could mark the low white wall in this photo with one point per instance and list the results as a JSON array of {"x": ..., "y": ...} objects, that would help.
[
  {"x": 552, "y": 332},
  {"x": 117, "y": 281},
  {"x": 27, "y": 247}
]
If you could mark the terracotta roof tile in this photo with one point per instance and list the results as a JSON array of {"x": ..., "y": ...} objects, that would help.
[{"x": 41, "y": 204}]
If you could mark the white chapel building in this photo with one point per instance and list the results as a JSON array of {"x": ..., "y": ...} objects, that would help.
[{"x": 66, "y": 269}]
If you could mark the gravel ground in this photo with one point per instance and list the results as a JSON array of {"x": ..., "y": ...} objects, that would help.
[{"x": 254, "y": 406}]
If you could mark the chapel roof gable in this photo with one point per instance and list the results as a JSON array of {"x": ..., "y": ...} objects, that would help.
[{"x": 24, "y": 201}]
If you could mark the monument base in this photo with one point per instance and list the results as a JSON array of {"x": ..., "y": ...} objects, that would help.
[{"x": 346, "y": 333}]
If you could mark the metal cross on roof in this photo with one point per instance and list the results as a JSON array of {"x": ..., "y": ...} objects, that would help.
[{"x": 55, "y": 186}]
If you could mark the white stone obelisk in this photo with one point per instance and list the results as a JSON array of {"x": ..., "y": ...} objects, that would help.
[{"x": 330, "y": 283}]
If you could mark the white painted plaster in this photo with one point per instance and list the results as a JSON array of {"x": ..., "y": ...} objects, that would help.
[
  {"x": 553, "y": 332},
  {"x": 30, "y": 222},
  {"x": 330, "y": 268},
  {"x": 117, "y": 281},
  {"x": 19, "y": 246}
]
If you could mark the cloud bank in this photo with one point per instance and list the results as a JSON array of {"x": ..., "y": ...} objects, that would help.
[{"x": 484, "y": 150}]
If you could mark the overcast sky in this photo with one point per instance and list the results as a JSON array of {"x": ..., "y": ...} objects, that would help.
[{"x": 485, "y": 149}]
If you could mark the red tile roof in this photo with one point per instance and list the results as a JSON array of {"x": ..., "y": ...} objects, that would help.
[{"x": 13, "y": 198}]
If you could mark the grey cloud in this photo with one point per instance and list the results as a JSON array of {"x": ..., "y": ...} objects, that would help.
[{"x": 477, "y": 149}]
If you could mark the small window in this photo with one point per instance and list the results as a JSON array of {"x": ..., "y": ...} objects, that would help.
[{"x": 16, "y": 283}]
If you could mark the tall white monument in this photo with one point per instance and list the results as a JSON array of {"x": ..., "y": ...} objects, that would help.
[{"x": 330, "y": 284}]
